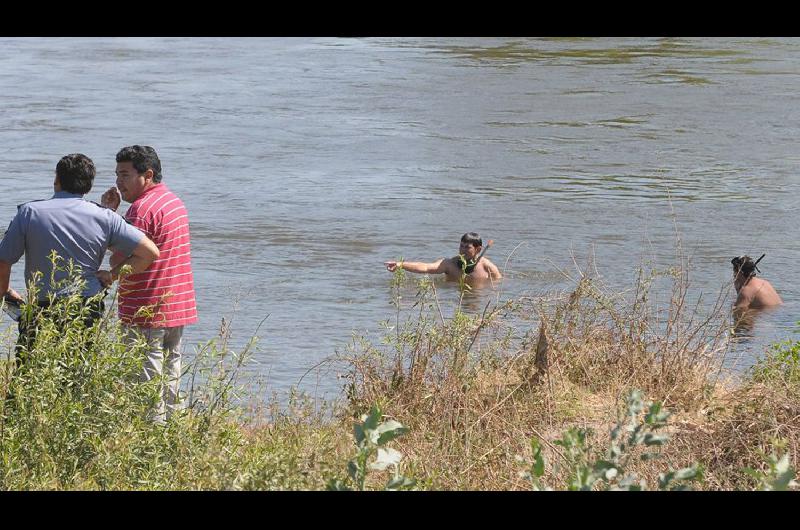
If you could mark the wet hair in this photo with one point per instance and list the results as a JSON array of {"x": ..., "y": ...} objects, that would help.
[
  {"x": 76, "y": 173},
  {"x": 143, "y": 157},
  {"x": 472, "y": 238},
  {"x": 745, "y": 265}
]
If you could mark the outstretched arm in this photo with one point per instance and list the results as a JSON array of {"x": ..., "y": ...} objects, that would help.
[{"x": 437, "y": 267}]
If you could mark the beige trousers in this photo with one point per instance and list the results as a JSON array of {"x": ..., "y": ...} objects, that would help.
[{"x": 163, "y": 358}]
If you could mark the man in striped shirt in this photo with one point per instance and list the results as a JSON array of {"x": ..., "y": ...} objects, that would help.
[{"x": 155, "y": 304}]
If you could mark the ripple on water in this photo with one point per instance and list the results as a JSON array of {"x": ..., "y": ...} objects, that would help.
[{"x": 586, "y": 53}]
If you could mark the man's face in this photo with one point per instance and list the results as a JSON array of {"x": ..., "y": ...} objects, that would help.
[
  {"x": 130, "y": 183},
  {"x": 468, "y": 250}
]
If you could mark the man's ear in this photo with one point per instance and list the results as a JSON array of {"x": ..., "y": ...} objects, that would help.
[
  {"x": 148, "y": 175},
  {"x": 57, "y": 183}
]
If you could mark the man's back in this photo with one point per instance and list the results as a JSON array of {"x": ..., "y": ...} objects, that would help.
[
  {"x": 758, "y": 294},
  {"x": 74, "y": 228}
]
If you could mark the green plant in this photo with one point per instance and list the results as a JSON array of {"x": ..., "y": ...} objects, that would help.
[
  {"x": 779, "y": 476},
  {"x": 536, "y": 471},
  {"x": 78, "y": 416},
  {"x": 782, "y": 361},
  {"x": 586, "y": 471},
  {"x": 370, "y": 437}
]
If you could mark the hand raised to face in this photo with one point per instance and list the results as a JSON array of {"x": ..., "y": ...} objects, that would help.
[{"x": 111, "y": 199}]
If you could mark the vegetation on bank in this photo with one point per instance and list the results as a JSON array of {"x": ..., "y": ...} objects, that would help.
[{"x": 587, "y": 389}]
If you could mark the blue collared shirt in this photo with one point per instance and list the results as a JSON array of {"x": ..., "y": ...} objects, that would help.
[{"x": 76, "y": 229}]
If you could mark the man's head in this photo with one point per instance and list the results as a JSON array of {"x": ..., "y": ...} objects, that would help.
[
  {"x": 744, "y": 266},
  {"x": 138, "y": 169},
  {"x": 471, "y": 244},
  {"x": 75, "y": 174}
]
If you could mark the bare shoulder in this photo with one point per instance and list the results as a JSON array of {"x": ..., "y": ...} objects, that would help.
[
  {"x": 749, "y": 290},
  {"x": 490, "y": 265},
  {"x": 758, "y": 285},
  {"x": 769, "y": 286},
  {"x": 768, "y": 294},
  {"x": 452, "y": 265}
]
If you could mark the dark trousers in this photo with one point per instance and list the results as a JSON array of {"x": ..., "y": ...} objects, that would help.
[{"x": 29, "y": 324}]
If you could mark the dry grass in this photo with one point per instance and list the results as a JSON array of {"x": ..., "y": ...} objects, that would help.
[{"x": 474, "y": 392}]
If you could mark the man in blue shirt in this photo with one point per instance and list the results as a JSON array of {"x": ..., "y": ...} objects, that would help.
[{"x": 78, "y": 230}]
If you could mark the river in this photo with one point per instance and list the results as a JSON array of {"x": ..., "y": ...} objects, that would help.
[{"x": 306, "y": 162}]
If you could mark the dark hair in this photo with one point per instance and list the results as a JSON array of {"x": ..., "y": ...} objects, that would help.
[
  {"x": 472, "y": 238},
  {"x": 143, "y": 157},
  {"x": 744, "y": 265},
  {"x": 76, "y": 173}
]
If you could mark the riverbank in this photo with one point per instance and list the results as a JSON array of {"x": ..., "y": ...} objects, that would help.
[{"x": 469, "y": 402}]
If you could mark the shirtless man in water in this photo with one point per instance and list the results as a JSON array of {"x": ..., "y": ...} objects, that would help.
[
  {"x": 473, "y": 266},
  {"x": 752, "y": 292}
]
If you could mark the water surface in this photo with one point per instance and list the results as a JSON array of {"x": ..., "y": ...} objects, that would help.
[{"x": 305, "y": 163}]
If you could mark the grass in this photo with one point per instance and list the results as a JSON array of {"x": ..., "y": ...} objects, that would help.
[{"x": 479, "y": 397}]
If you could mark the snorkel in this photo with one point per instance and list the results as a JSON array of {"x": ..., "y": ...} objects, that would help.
[
  {"x": 740, "y": 263},
  {"x": 744, "y": 268},
  {"x": 755, "y": 265},
  {"x": 472, "y": 263}
]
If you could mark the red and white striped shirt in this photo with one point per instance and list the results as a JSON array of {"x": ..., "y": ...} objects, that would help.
[{"x": 163, "y": 295}]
